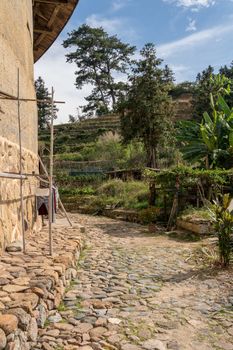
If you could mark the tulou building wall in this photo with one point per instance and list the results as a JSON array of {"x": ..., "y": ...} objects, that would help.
[{"x": 16, "y": 47}]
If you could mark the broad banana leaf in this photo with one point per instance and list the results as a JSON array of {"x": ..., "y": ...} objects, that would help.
[
  {"x": 224, "y": 106},
  {"x": 231, "y": 138}
]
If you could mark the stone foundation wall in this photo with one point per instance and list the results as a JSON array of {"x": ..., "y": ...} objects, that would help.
[
  {"x": 32, "y": 286},
  {"x": 10, "y": 223},
  {"x": 200, "y": 227}
]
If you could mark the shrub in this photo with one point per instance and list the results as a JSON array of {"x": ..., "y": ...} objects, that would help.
[
  {"x": 112, "y": 188},
  {"x": 135, "y": 193},
  {"x": 125, "y": 194},
  {"x": 149, "y": 215},
  {"x": 69, "y": 157},
  {"x": 202, "y": 213},
  {"x": 224, "y": 227},
  {"x": 86, "y": 190}
]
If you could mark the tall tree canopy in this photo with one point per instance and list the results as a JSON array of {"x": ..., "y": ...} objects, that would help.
[
  {"x": 44, "y": 110},
  {"x": 99, "y": 59},
  {"x": 207, "y": 83},
  {"x": 147, "y": 109}
]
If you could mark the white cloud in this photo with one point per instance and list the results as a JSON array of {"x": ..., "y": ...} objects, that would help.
[
  {"x": 194, "y": 40},
  {"x": 191, "y": 25},
  {"x": 180, "y": 71},
  {"x": 56, "y": 72},
  {"x": 119, "y": 4},
  {"x": 116, "y": 25},
  {"x": 110, "y": 25},
  {"x": 193, "y": 4}
]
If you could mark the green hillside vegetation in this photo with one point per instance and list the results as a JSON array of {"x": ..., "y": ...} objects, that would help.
[
  {"x": 71, "y": 138},
  {"x": 144, "y": 144}
]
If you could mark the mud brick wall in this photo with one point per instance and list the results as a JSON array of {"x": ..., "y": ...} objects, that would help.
[
  {"x": 10, "y": 224},
  {"x": 16, "y": 47}
]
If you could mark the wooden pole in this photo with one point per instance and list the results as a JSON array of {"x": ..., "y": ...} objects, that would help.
[
  {"x": 20, "y": 166},
  {"x": 6, "y": 96},
  {"x": 59, "y": 199},
  {"x": 13, "y": 176},
  {"x": 51, "y": 175}
]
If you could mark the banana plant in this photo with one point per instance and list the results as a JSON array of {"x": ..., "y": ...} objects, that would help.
[
  {"x": 221, "y": 214},
  {"x": 212, "y": 139}
]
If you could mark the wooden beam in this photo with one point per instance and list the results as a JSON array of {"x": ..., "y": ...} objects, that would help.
[
  {"x": 13, "y": 176},
  {"x": 42, "y": 29},
  {"x": 38, "y": 13},
  {"x": 6, "y": 96},
  {"x": 38, "y": 41},
  {"x": 53, "y": 16}
]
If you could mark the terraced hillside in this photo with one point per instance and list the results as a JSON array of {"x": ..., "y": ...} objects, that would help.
[
  {"x": 72, "y": 137},
  {"x": 184, "y": 109},
  {"x": 75, "y": 143}
]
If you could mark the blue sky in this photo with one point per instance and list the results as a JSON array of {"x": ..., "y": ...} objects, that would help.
[{"x": 189, "y": 35}]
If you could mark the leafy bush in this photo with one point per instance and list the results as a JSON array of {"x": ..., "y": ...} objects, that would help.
[
  {"x": 188, "y": 175},
  {"x": 80, "y": 180},
  {"x": 87, "y": 190},
  {"x": 202, "y": 213},
  {"x": 112, "y": 188},
  {"x": 149, "y": 215},
  {"x": 69, "y": 156},
  {"x": 126, "y": 194},
  {"x": 224, "y": 227}
]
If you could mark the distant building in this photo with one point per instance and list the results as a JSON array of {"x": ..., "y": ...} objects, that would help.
[{"x": 27, "y": 29}]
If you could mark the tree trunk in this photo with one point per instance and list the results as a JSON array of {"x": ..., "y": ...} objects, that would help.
[
  {"x": 152, "y": 194},
  {"x": 100, "y": 89},
  {"x": 113, "y": 98},
  {"x": 152, "y": 163},
  {"x": 110, "y": 86}
]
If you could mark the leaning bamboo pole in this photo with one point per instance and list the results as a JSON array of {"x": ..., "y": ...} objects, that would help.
[
  {"x": 20, "y": 165},
  {"x": 51, "y": 199}
]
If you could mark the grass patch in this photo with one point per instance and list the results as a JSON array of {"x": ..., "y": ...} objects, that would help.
[
  {"x": 61, "y": 307},
  {"x": 196, "y": 213},
  {"x": 63, "y": 320},
  {"x": 47, "y": 323},
  {"x": 184, "y": 236},
  {"x": 70, "y": 287},
  {"x": 206, "y": 256},
  {"x": 78, "y": 303}
]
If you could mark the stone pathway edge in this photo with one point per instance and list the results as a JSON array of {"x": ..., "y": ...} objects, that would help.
[{"x": 32, "y": 286}]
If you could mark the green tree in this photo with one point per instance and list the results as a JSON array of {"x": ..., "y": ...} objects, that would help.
[
  {"x": 44, "y": 109},
  {"x": 99, "y": 57},
  {"x": 228, "y": 73},
  {"x": 182, "y": 88},
  {"x": 223, "y": 221},
  {"x": 208, "y": 83},
  {"x": 212, "y": 139},
  {"x": 72, "y": 119},
  {"x": 147, "y": 109}
]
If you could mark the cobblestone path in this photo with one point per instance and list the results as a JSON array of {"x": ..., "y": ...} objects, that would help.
[{"x": 136, "y": 291}]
